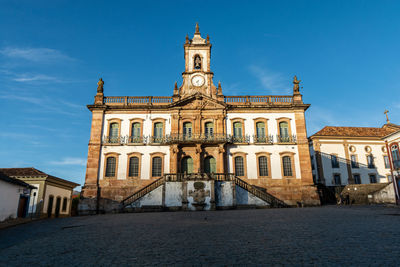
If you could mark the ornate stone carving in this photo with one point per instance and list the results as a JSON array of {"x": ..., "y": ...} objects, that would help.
[{"x": 199, "y": 194}]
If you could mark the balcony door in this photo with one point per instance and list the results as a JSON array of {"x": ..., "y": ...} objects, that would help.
[
  {"x": 187, "y": 165},
  {"x": 210, "y": 165}
]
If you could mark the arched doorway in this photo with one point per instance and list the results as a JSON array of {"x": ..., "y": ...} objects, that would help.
[
  {"x": 58, "y": 204},
  {"x": 187, "y": 165},
  {"x": 50, "y": 206},
  {"x": 210, "y": 165}
]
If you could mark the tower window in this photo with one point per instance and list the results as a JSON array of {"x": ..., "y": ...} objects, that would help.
[{"x": 197, "y": 62}]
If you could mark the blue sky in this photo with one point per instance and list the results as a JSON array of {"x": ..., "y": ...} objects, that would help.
[{"x": 52, "y": 53}]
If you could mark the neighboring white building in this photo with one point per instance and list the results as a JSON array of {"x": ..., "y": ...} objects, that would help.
[
  {"x": 51, "y": 197},
  {"x": 392, "y": 142},
  {"x": 350, "y": 155},
  {"x": 14, "y": 197}
]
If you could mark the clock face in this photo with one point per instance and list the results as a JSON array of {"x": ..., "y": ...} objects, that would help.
[{"x": 198, "y": 80}]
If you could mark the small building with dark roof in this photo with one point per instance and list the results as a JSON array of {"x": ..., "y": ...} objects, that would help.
[
  {"x": 14, "y": 197},
  {"x": 52, "y": 196}
]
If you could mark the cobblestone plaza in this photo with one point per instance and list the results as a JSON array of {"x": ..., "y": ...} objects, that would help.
[{"x": 358, "y": 235}]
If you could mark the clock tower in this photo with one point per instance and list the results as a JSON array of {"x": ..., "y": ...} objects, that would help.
[{"x": 197, "y": 77}]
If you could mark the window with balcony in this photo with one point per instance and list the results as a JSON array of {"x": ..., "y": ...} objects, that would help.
[
  {"x": 209, "y": 129},
  {"x": 260, "y": 132},
  {"x": 136, "y": 133},
  {"x": 187, "y": 130},
  {"x": 284, "y": 135},
  {"x": 158, "y": 132},
  {"x": 114, "y": 132},
  {"x": 334, "y": 161},
  {"x": 237, "y": 130}
]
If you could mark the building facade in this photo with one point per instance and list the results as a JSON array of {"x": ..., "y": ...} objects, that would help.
[
  {"x": 392, "y": 142},
  {"x": 260, "y": 139},
  {"x": 51, "y": 196},
  {"x": 14, "y": 197},
  {"x": 350, "y": 155}
]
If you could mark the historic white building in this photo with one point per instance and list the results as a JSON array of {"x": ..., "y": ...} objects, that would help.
[
  {"x": 260, "y": 140},
  {"x": 392, "y": 142},
  {"x": 350, "y": 155}
]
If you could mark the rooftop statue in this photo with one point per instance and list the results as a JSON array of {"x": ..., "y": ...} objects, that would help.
[
  {"x": 100, "y": 85},
  {"x": 296, "y": 86}
]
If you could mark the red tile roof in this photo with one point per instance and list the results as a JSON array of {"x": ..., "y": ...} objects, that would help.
[
  {"x": 354, "y": 131},
  {"x": 22, "y": 172}
]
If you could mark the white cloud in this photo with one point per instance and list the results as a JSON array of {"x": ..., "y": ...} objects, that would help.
[
  {"x": 70, "y": 161},
  {"x": 271, "y": 81},
  {"x": 37, "y": 77},
  {"x": 44, "y": 55}
]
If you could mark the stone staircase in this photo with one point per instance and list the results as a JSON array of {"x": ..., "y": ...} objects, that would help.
[
  {"x": 142, "y": 192},
  {"x": 262, "y": 194}
]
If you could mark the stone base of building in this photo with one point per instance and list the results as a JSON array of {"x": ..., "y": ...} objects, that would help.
[{"x": 296, "y": 195}]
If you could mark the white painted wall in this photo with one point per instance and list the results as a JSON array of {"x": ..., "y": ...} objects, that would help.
[
  {"x": 9, "y": 199},
  {"x": 173, "y": 194},
  {"x": 34, "y": 200},
  {"x": 57, "y": 192}
]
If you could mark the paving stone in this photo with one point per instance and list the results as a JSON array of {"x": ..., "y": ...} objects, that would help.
[{"x": 327, "y": 236}]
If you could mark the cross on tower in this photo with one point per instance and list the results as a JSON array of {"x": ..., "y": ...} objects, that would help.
[{"x": 387, "y": 117}]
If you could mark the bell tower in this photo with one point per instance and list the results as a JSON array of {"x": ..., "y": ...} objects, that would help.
[{"x": 197, "y": 77}]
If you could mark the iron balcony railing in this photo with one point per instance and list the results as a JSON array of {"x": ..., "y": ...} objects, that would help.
[
  {"x": 137, "y": 139},
  {"x": 114, "y": 140},
  {"x": 197, "y": 138},
  {"x": 179, "y": 177},
  {"x": 286, "y": 138},
  {"x": 240, "y": 139},
  {"x": 263, "y": 139}
]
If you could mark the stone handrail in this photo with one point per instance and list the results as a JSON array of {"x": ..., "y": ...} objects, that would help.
[
  {"x": 142, "y": 192},
  {"x": 266, "y": 99},
  {"x": 273, "y": 201},
  {"x": 197, "y": 138},
  {"x": 137, "y": 100},
  {"x": 166, "y": 100}
]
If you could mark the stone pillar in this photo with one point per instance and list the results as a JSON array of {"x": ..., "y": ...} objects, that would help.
[
  {"x": 350, "y": 178},
  {"x": 303, "y": 148},
  {"x": 197, "y": 160},
  {"x": 221, "y": 159},
  {"x": 90, "y": 189},
  {"x": 173, "y": 159}
]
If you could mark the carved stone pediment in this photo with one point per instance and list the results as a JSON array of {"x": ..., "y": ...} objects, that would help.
[{"x": 199, "y": 102}]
